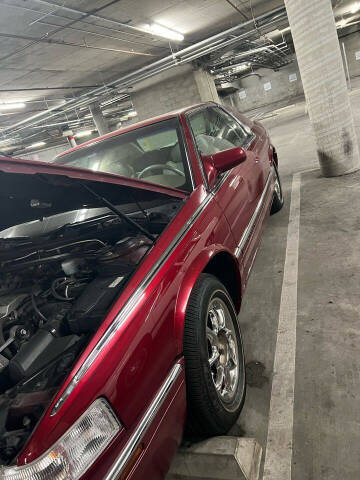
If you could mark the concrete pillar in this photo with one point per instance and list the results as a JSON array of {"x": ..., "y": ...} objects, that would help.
[
  {"x": 71, "y": 140},
  {"x": 99, "y": 119},
  {"x": 319, "y": 57},
  {"x": 206, "y": 86},
  {"x": 69, "y": 134},
  {"x": 218, "y": 458},
  {"x": 176, "y": 88}
]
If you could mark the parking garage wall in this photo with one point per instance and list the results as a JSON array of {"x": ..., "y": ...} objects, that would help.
[
  {"x": 266, "y": 88},
  {"x": 352, "y": 48}
]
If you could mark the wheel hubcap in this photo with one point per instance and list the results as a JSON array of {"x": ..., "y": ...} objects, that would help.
[{"x": 223, "y": 354}]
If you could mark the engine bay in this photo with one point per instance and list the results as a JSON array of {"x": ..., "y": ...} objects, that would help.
[{"x": 55, "y": 290}]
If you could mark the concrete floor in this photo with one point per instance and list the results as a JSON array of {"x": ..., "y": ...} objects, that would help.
[{"x": 326, "y": 425}]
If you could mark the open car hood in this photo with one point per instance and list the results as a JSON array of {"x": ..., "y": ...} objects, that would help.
[{"x": 31, "y": 190}]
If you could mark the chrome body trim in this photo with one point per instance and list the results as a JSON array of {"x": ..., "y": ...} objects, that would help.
[
  {"x": 198, "y": 154},
  {"x": 131, "y": 303},
  {"x": 190, "y": 168},
  {"x": 144, "y": 424},
  {"x": 254, "y": 217}
]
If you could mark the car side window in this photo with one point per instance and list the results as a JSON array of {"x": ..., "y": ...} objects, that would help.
[{"x": 215, "y": 130}]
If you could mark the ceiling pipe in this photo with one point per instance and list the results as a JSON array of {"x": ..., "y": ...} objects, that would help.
[
  {"x": 138, "y": 75},
  {"x": 197, "y": 46},
  {"x": 52, "y": 41},
  {"x": 45, "y": 88},
  {"x": 104, "y": 35},
  {"x": 223, "y": 45},
  {"x": 239, "y": 56}
]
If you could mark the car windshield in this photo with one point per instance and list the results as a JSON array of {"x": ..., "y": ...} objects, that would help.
[{"x": 154, "y": 153}]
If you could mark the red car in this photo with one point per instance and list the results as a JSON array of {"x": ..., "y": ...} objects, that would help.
[{"x": 122, "y": 269}]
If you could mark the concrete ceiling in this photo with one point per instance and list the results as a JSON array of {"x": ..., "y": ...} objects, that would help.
[
  {"x": 49, "y": 48},
  {"x": 36, "y": 62}
]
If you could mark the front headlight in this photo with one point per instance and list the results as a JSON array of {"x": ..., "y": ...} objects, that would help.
[{"x": 75, "y": 451}]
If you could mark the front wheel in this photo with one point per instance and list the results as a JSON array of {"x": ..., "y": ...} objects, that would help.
[
  {"x": 214, "y": 360},
  {"x": 278, "y": 200}
]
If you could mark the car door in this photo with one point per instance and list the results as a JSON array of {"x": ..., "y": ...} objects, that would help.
[{"x": 214, "y": 130}]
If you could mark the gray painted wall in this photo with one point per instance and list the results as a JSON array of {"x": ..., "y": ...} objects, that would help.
[
  {"x": 352, "y": 45},
  {"x": 266, "y": 87},
  {"x": 282, "y": 89}
]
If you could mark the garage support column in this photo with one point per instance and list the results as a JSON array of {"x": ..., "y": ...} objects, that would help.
[
  {"x": 318, "y": 53},
  {"x": 206, "y": 86},
  {"x": 173, "y": 89},
  {"x": 99, "y": 119},
  {"x": 71, "y": 140}
]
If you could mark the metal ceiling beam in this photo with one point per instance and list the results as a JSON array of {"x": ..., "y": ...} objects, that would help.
[
  {"x": 46, "y": 88},
  {"x": 237, "y": 9}
]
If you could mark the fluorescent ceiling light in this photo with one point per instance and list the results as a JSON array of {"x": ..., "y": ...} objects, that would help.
[
  {"x": 342, "y": 23},
  {"x": 37, "y": 144},
  {"x": 11, "y": 106},
  {"x": 166, "y": 32},
  {"x": 132, "y": 114},
  {"x": 240, "y": 68},
  {"x": 355, "y": 8},
  {"x": 83, "y": 133}
]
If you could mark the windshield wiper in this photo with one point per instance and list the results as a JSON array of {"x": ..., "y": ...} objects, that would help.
[{"x": 120, "y": 214}]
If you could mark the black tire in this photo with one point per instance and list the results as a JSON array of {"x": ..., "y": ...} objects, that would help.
[
  {"x": 208, "y": 414},
  {"x": 278, "y": 200}
]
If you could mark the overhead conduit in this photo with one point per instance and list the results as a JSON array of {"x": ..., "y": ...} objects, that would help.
[{"x": 188, "y": 54}]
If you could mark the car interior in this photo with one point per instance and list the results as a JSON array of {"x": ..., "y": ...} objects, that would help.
[{"x": 156, "y": 157}]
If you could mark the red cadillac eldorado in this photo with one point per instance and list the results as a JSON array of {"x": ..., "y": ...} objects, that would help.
[{"x": 122, "y": 268}]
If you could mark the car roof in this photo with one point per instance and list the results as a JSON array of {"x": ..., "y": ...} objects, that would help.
[{"x": 149, "y": 121}]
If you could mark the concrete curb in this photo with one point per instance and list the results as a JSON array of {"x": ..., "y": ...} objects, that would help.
[{"x": 220, "y": 458}]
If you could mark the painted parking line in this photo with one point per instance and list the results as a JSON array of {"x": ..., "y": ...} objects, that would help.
[{"x": 279, "y": 447}]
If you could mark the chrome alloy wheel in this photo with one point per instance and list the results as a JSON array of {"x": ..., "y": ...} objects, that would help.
[
  {"x": 278, "y": 188},
  {"x": 223, "y": 353}
]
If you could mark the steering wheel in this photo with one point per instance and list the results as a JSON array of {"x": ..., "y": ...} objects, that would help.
[
  {"x": 120, "y": 169},
  {"x": 159, "y": 166}
]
